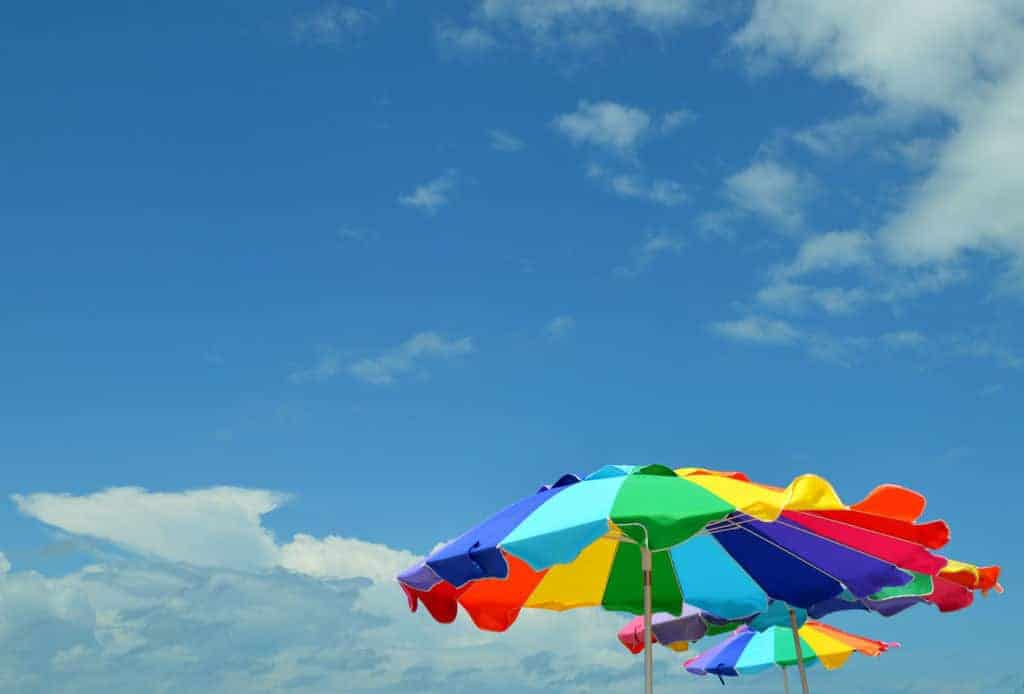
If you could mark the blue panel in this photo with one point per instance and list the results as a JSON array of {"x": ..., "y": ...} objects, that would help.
[{"x": 714, "y": 582}]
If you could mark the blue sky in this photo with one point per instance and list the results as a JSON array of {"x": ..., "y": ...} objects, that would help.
[{"x": 293, "y": 291}]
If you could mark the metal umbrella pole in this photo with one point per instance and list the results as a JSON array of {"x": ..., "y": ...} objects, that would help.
[
  {"x": 785, "y": 680},
  {"x": 799, "y": 652},
  {"x": 646, "y": 565}
]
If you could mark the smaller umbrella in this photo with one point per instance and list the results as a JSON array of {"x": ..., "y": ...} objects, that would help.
[
  {"x": 747, "y": 651},
  {"x": 677, "y": 633}
]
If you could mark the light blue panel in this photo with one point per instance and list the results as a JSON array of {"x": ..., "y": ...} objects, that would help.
[
  {"x": 566, "y": 524},
  {"x": 611, "y": 471},
  {"x": 712, "y": 581},
  {"x": 759, "y": 654}
]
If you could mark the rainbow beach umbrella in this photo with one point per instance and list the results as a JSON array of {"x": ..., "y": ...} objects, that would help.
[
  {"x": 631, "y": 538},
  {"x": 748, "y": 651}
]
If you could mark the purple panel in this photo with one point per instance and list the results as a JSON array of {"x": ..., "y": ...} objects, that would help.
[
  {"x": 721, "y": 660},
  {"x": 420, "y": 577},
  {"x": 690, "y": 626},
  {"x": 862, "y": 574}
]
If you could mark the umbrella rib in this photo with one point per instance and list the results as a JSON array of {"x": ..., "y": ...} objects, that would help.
[
  {"x": 793, "y": 526},
  {"x": 869, "y": 530},
  {"x": 795, "y": 556}
]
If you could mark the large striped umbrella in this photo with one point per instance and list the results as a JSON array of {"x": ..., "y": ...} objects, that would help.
[
  {"x": 748, "y": 651},
  {"x": 629, "y": 539}
]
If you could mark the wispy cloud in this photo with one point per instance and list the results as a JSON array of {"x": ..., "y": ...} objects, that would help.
[
  {"x": 660, "y": 191},
  {"x": 904, "y": 339},
  {"x": 642, "y": 256},
  {"x": 988, "y": 348},
  {"x": 387, "y": 367},
  {"x": 465, "y": 40},
  {"x": 834, "y": 250},
  {"x": 331, "y": 24},
  {"x": 758, "y": 329},
  {"x": 560, "y": 327},
  {"x": 674, "y": 120},
  {"x": 627, "y": 185},
  {"x": 794, "y": 297},
  {"x": 433, "y": 195},
  {"x": 505, "y": 142},
  {"x": 754, "y": 329},
  {"x": 773, "y": 192},
  {"x": 577, "y": 24},
  {"x": 328, "y": 365},
  {"x": 611, "y": 126},
  {"x": 354, "y": 234}
]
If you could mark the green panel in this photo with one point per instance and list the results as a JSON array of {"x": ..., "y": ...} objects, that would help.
[
  {"x": 785, "y": 649},
  {"x": 671, "y": 508},
  {"x": 920, "y": 585},
  {"x": 625, "y": 589}
]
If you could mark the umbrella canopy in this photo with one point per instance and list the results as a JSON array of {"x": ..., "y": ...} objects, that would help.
[
  {"x": 677, "y": 633},
  {"x": 674, "y": 632},
  {"x": 732, "y": 543},
  {"x": 747, "y": 651}
]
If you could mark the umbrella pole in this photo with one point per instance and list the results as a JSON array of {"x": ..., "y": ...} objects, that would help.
[
  {"x": 785, "y": 680},
  {"x": 799, "y": 652},
  {"x": 646, "y": 565}
]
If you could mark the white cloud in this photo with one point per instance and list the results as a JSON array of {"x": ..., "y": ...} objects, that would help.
[
  {"x": 505, "y": 142},
  {"x": 661, "y": 191},
  {"x": 758, "y": 329},
  {"x": 331, "y": 24},
  {"x": 842, "y": 135},
  {"x": 834, "y": 250},
  {"x": 904, "y": 53},
  {"x": 656, "y": 244},
  {"x": 332, "y": 620},
  {"x": 465, "y": 39},
  {"x": 974, "y": 199},
  {"x": 5, "y": 565},
  {"x": 433, "y": 195},
  {"x": 384, "y": 369},
  {"x": 790, "y": 297},
  {"x": 341, "y": 557},
  {"x": 606, "y": 124},
  {"x": 219, "y": 526},
  {"x": 560, "y": 326},
  {"x": 772, "y": 191},
  {"x": 964, "y": 62}
]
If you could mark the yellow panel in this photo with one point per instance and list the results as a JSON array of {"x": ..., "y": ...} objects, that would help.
[
  {"x": 580, "y": 583},
  {"x": 807, "y": 492},
  {"x": 832, "y": 652}
]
